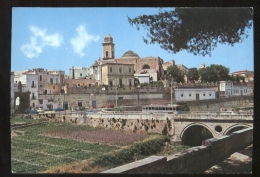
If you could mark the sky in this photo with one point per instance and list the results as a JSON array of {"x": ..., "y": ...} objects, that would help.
[{"x": 59, "y": 38}]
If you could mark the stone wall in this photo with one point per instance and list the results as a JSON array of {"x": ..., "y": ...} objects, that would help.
[
  {"x": 193, "y": 160},
  {"x": 216, "y": 104}
]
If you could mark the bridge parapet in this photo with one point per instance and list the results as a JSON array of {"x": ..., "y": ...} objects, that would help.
[{"x": 215, "y": 116}]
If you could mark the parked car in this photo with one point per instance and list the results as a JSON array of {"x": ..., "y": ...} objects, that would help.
[
  {"x": 33, "y": 111},
  {"x": 59, "y": 109},
  {"x": 229, "y": 113},
  {"x": 89, "y": 112},
  {"x": 40, "y": 110},
  {"x": 110, "y": 106},
  {"x": 80, "y": 108}
]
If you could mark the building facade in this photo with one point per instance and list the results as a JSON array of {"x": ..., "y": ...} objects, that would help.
[
  {"x": 117, "y": 74},
  {"x": 191, "y": 94},
  {"x": 229, "y": 89}
]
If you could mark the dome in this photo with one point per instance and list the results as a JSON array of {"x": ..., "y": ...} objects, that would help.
[{"x": 130, "y": 53}]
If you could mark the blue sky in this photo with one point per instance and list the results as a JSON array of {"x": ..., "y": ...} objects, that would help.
[{"x": 59, "y": 38}]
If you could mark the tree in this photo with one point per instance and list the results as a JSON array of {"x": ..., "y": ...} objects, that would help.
[
  {"x": 197, "y": 30},
  {"x": 193, "y": 74},
  {"x": 173, "y": 72},
  {"x": 214, "y": 73},
  {"x": 203, "y": 74}
]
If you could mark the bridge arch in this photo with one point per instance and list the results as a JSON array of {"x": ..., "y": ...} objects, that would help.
[
  {"x": 200, "y": 124},
  {"x": 235, "y": 126}
]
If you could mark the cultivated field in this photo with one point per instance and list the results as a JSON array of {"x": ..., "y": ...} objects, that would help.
[{"x": 40, "y": 146}]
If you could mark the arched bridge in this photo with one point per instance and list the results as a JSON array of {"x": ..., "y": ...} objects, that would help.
[{"x": 187, "y": 126}]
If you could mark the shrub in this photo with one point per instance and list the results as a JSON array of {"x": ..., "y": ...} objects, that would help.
[
  {"x": 127, "y": 155},
  {"x": 164, "y": 131}
]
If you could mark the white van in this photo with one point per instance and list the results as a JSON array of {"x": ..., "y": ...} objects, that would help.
[{"x": 229, "y": 113}]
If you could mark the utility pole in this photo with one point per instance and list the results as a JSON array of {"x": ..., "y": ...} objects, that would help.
[{"x": 171, "y": 91}]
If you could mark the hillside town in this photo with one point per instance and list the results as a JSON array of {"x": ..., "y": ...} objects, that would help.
[{"x": 122, "y": 81}]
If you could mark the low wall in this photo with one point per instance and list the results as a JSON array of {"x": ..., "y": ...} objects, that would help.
[{"x": 193, "y": 160}]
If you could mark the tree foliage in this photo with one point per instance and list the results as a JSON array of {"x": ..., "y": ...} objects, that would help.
[
  {"x": 197, "y": 30},
  {"x": 173, "y": 72},
  {"x": 193, "y": 74},
  {"x": 214, "y": 73}
]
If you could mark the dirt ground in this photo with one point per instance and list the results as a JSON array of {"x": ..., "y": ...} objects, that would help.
[{"x": 238, "y": 163}]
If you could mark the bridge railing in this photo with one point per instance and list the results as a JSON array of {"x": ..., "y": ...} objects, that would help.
[{"x": 215, "y": 116}]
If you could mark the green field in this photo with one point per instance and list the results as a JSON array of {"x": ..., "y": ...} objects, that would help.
[{"x": 44, "y": 145}]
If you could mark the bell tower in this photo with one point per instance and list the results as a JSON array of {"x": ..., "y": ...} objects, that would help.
[{"x": 108, "y": 48}]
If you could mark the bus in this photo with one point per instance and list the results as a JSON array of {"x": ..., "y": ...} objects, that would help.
[{"x": 170, "y": 109}]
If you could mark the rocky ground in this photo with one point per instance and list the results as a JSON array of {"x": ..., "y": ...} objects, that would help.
[{"x": 238, "y": 163}]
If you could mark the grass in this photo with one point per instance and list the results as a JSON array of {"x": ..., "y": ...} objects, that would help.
[{"x": 36, "y": 149}]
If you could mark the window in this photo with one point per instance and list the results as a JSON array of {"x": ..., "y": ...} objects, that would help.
[
  {"x": 40, "y": 85},
  {"x": 106, "y": 53},
  {"x": 32, "y": 84},
  {"x": 56, "y": 80},
  {"x": 182, "y": 95},
  {"x": 130, "y": 82},
  {"x": 110, "y": 69},
  {"x": 203, "y": 94},
  {"x": 80, "y": 74},
  {"x": 53, "y": 87},
  {"x": 210, "y": 94},
  {"x": 146, "y": 66},
  {"x": 40, "y": 77},
  {"x": 120, "y": 70},
  {"x": 190, "y": 95},
  {"x": 51, "y": 81},
  {"x": 111, "y": 83},
  {"x": 130, "y": 70},
  {"x": 120, "y": 82}
]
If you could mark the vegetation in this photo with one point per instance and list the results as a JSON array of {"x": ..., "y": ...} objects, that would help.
[
  {"x": 52, "y": 147},
  {"x": 134, "y": 152},
  {"x": 153, "y": 84},
  {"x": 184, "y": 106},
  {"x": 174, "y": 73},
  {"x": 193, "y": 30},
  {"x": 193, "y": 74},
  {"x": 214, "y": 73}
]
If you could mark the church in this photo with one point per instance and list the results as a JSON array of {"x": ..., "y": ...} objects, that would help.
[{"x": 123, "y": 70}]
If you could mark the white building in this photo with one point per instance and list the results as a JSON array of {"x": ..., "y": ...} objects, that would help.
[
  {"x": 143, "y": 78},
  {"x": 30, "y": 81},
  {"x": 191, "y": 94},
  {"x": 228, "y": 89},
  {"x": 38, "y": 82}
]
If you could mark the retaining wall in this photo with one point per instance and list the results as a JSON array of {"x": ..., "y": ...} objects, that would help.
[{"x": 193, "y": 160}]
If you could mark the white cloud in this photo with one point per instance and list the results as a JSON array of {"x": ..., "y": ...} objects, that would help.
[
  {"x": 82, "y": 40},
  {"x": 39, "y": 40}
]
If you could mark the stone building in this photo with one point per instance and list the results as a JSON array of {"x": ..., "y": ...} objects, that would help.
[
  {"x": 117, "y": 74},
  {"x": 108, "y": 48},
  {"x": 50, "y": 81},
  {"x": 39, "y": 82},
  {"x": 78, "y": 72},
  {"x": 148, "y": 65},
  {"x": 80, "y": 82},
  {"x": 168, "y": 63}
]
